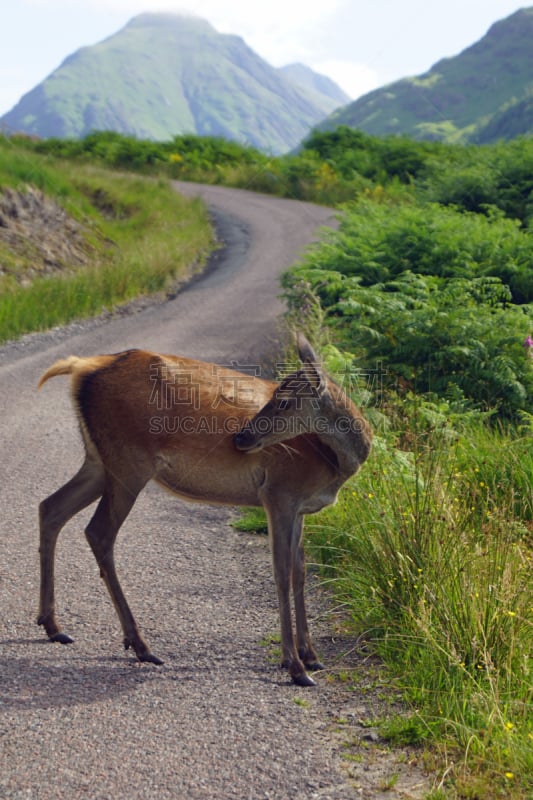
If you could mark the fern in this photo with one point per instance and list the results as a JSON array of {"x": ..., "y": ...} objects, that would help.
[{"x": 442, "y": 333}]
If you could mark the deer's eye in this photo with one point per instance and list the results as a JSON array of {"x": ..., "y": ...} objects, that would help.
[{"x": 287, "y": 403}]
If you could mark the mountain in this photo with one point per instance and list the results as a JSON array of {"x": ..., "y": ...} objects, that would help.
[
  {"x": 321, "y": 86},
  {"x": 512, "y": 120},
  {"x": 166, "y": 74},
  {"x": 482, "y": 94}
]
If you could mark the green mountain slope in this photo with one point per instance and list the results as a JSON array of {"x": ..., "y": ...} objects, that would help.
[
  {"x": 514, "y": 119},
  {"x": 322, "y": 88},
  {"x": 457, "y": 99},
  {"x": 165, "y": 74}
]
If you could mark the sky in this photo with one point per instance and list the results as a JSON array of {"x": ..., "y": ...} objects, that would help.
[{"x": 361, "y": 44}]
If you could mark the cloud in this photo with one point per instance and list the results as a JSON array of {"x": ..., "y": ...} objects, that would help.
[
  {"x": 281, "y": 14},
  {"x": 275, "y": 30},
  {"x": 354, "y": 79}
]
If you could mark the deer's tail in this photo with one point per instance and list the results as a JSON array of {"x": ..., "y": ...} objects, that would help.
[{"x": 74, "y": 365}]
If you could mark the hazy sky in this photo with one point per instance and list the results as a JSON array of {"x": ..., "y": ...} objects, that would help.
[{"x": 361, "y": 44}]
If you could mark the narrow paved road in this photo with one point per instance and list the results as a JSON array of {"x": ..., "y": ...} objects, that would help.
[{"x": 219, "y": 720}]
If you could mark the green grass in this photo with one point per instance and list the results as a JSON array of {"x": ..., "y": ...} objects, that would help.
[
  {"x": 430, "y": 551},
  {"x": 20, "y": 167},
  {"x": 142, "y": 236},
  {"x": 251, "y": 520}
]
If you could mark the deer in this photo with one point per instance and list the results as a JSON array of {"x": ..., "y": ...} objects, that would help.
[{"x": 206, "y": 433}]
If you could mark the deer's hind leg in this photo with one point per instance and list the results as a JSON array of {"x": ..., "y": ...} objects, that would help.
[
  {"x": 54, "y": 512},
  {"x": 117, "y": 500}
]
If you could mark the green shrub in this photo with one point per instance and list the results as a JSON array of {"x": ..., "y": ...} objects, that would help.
[
  {"x": 378, "y": 241},
  {"x": 422, "y": 290}
]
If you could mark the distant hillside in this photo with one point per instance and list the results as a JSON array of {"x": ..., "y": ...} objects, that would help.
[
  {"x": 323, "y": 88},
  {"x": 514, "y": 119},
  {"x": 166, "y": 74},
  {"x": 483, "y": 94}
]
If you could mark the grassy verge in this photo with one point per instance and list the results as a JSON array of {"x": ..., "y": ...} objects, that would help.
[
  {"x": 434, "y": 563},
  {"x": 141, "y": 236}
]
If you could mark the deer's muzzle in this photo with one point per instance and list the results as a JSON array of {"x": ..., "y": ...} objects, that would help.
[{"x": 247, "y": 440}]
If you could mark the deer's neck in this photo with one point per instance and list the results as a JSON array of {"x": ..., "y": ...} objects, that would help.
[{"x": 346, "y": 445}]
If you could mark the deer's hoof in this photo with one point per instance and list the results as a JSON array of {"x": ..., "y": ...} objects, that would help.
[
  {"x": 62, "y": 638},
  {"x": 52, "y": 631},
  {"x": 141, "y": 651},
  {"x": 303, "y": 679},
  {"x": 314, "y": 666},
  {"x": 150, "y": 658}
]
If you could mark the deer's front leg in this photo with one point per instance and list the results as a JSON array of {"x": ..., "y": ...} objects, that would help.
[
  {"x": 306, "y": 649},
  {"x": 281, "y": 528}
]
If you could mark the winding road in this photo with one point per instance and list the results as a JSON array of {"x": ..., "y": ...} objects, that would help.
[{"x": 218, "y": 720}]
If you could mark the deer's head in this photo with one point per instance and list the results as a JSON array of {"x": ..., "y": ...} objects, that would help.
[{"x": 295, "y": 408}]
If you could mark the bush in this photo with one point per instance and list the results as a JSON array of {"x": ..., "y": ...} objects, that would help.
[
  {"x": 471, "y": 178},
  {"x": 420, "y": 289},
  {"x": 378, "y": 241}
]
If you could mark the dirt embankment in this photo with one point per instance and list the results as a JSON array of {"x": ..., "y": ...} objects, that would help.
[{"x": 37, "y": 236}]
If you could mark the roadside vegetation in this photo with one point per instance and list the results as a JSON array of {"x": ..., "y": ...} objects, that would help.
[
  {"x": 421, "y": 305},
  {"x": 76, "y": 240}
]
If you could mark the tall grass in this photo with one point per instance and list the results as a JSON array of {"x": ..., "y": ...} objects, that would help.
[
  {"x": 430, "y": 551},
  {"x": 141, "y": 234},
  {"x": 20, "y": 167}
]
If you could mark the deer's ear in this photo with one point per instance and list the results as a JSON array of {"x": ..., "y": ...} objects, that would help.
[
  {"x": 315, "y": 377},
  {"x": 311, "y": 365},
  {"x": 305, "y": 351}
]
